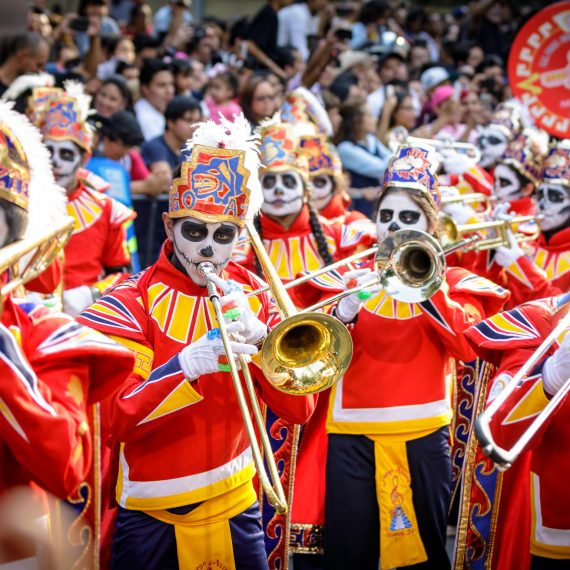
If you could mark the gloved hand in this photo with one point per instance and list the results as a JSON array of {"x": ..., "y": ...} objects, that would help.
[
  {"x": 456, "y": 162},
  {"x": 203, "y": 356},
  {"x": 461, "y": 213},
  {"x": 556, "y": 369},
  {"x": 348, "y": 306},
  {"x": 506, "y": 256},
  {"x": 236, "y": 307},
  {"x": 77, "y": 299},
  {"x": 501, "y": 212}
]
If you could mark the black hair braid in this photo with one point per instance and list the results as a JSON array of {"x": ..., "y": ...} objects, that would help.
[
  {"x": 317, "y": 230},
  {"x": 256, "y": 264}
]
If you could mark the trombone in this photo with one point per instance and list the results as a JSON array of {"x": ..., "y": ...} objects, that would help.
[
  {"x": 451, "y": 231},
  {"x": 468, "y": 198},
  {"x": 504, "y": 458},
  {"x": 400, "y": 135},
  {"x": 28, "y": 258},
  {"x": 304, "y": 354}
]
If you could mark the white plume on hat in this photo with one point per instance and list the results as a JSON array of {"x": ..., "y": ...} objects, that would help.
[
  {"x": 47, "y": 200},
  {"x": 234, "y": 135},
  {"x": 319, "y": 112},
  {"x": 27, "y": 81},
  {"x": 76, "y": 90}
]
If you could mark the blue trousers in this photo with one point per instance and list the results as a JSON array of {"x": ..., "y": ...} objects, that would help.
[
  {"x": 142, "y": 542},
  {"x": 352, "y": 518}
]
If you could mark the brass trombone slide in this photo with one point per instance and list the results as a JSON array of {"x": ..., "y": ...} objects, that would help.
[
  {"x": 504, "y": 458},
  {"x": 275, "y": 493}
]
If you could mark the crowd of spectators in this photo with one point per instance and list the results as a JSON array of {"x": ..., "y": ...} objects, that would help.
[{"x": 375, "y": 65}]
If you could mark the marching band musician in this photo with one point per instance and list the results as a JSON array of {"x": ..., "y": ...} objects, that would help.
[
  {"x": 185, "y": 468},
  {"x": 96, "y": 256},
  {"x": 543, "y": 269},
  {"x": 51, "y": 368},
  {"x": 507, "y": 340},
  {"x": 296, "y": 238},
  {"x": 327, "y": 186},
  {"x": 388, "y": 418}
]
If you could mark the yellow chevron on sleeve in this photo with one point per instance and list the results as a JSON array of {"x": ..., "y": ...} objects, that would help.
[
  {"x": 181, "y": 397},
  {"x": 517, "y": 272},
  {"x": 531, "y": 405},
  {"x": 144, "y": 356}
]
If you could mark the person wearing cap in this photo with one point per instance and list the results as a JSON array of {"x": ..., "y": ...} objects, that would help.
[
  {"x": 540, "y": 268},
  {"x": 297, "y": 239},
  {"x": 431, "y": 79},
  {"x": 52, "y": 370},
  {"x": 388, "y": 474},
  {"x": 96, "y": 256},
  {"x": 185, "y": 485}
]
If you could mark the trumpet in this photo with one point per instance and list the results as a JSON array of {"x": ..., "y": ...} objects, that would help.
[
  {"x": 400, "y": 135},
  {"x": 504, "y": 458},
  {"x": 468, "y": 198},
  {"x": 451, "y": 231},
  {"x": 27, "y": 258}
]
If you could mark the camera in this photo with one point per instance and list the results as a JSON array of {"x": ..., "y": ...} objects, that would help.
[
  {"x": 79, "y": 24},
  {"x": 343, "y": 34}
]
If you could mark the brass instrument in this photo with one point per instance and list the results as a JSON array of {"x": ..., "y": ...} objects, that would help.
[
  {"x": 469, "y": 198},
  {"x": 504, "y": 458},
  {"x": 27, "y": 258},
  {"x": 304, "y": 354},
  {"x": 451, "y": 231},
  {"x": 400, "y": 135}
]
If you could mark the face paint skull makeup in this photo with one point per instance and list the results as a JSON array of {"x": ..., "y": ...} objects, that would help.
[
  {"x": 399, "y": 212},
  {"x": 493, "y": 144},
  {"x": 554, "y": 205},
  {"x": 195, "y": 242},
  {"x": 66, "y": 158},
  {"x": 282, "y": 193},
  {"x": 321, "y": 190},
  {"x": 507, "y": 184}
]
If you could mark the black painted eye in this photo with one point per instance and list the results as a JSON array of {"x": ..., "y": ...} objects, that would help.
[
  {"x": 289, "y": 181},
  {"x": 409, "y": 216},
  {"x": 67, "y": 155},
  {"x": 494, "y": 140},
  {"x": 385, "y": 216},
  {"x": 224, "y": 234},
  {"x": 504, "y": 182},
  {"x": 268, "y": 181},
  {"x": 319, "y": 181},
  {"x": 193, "y": 231}
]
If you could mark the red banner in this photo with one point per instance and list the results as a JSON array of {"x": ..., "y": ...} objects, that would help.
[{"x": 539, "y": 68}]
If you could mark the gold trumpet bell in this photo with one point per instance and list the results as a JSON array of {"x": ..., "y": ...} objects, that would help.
[
  {"x": 411, "y": 265},
  {"x": 306, "y": 353}
]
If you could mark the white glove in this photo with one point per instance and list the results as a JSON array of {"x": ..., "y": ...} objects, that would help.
[
  {"x": 203, "y": 356},
  {"x": 253, "y": 329},
  {"x": 456, "y": 162},
  {"x": 501, "y": 212},
  {"x": 461, "y": 213},
  {"x": 348, "y": 306},
  {"x": 556, "y": 369},
  {"x": 77, "y": 299},
  {"x": 506, "y": 256}
]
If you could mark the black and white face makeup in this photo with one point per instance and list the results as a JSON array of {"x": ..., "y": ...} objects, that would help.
[
  {"x": 399, "y": 212},
  {"x": 195, "y": 242},
  {"x": 493, "y": 144},
  {"x": 507, "y": 184},
  {"x": 321, "y": 190},
  {"x": 66, "y": 158},
  {"x": 282, "y": 193},
  {"x": 554, "y": 205}
]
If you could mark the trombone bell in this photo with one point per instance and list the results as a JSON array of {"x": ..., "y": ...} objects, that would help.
[{"x": 307, "y": 353}]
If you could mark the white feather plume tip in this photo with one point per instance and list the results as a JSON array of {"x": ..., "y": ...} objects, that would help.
[
  {"x": 234, "y": 135},
  {"x": 27, "y": 81},
  {"x": 76, "y": 90}
]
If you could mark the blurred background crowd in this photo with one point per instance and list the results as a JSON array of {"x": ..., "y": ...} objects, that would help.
[{"x": 155, "y": 69}]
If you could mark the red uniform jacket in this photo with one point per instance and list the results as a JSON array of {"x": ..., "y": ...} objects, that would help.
[
  {"x": 507, "y": 340},
  {"x": 181, "y": 442},
  {"x": 98, "y": 241},
  {"x": 336, "y": 210},
  {"x": 51, "y": 369}
]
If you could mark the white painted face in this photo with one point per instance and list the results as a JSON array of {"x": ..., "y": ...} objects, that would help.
[
  {"x": 493, "y": 144},
  {"x": 399, "y": 212},
  {"x": 3, "y": 227},
  {"x": 507, "y": 184},
  {"x": 66, "y": 158},
  {"x": 554, "y": 205},
  {"x": 282, "y": 193},
  {"x": 321, "y": 190},
  {"x": 195, "y": 242}
]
